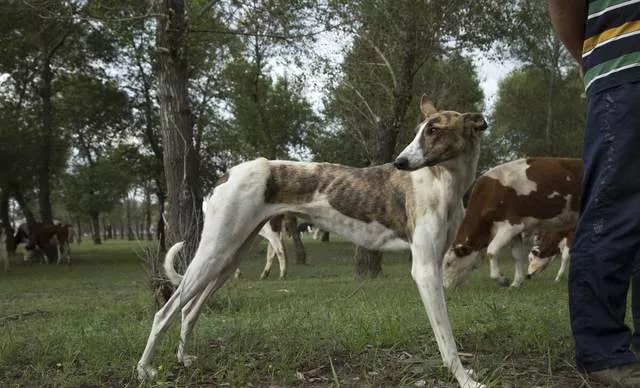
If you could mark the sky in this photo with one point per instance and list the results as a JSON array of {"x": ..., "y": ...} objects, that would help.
[{"x": 490, "y": 73}]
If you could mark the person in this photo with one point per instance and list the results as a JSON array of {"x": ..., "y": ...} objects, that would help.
[{"x": 604, "y": 37}]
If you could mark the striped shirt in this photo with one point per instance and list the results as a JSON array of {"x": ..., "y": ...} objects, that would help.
[{"x": 611, "y": 48}]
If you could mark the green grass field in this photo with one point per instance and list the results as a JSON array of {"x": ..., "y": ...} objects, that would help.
[{"x": 85, "y": 325}]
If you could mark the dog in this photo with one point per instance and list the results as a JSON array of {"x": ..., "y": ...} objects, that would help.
[{"x": 414, "y": 203}]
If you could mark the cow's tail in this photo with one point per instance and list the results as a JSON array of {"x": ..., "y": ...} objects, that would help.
[{"x": 171, "y": 273}]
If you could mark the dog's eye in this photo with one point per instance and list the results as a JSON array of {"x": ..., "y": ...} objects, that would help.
[{"x": 432, "y": 131}]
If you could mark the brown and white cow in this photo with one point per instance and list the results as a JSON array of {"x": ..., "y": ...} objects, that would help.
[
  {"x": 525, "y": 195},
  {"x": 547, "y": 246},
  {"x": 43, "y": 237}
]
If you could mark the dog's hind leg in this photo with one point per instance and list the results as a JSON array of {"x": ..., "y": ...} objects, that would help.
[
  {"x": 191, "y": 311},
  {"x": 194, "y": 282},
  {"x": 190, "y": 314}
]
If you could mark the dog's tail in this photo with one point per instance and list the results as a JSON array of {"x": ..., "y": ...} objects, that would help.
[{"x": 171, "y": 273}]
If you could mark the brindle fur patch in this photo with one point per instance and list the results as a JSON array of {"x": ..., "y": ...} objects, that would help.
[
  {"x": 489, "y": 194},
  {"x": 367, "y": 194}
]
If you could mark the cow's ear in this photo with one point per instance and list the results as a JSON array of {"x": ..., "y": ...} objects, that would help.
[
  {"x": 426, "y": 107},
  {"x": 462, "y": 250},
  {"x": 474, "y": 121}
]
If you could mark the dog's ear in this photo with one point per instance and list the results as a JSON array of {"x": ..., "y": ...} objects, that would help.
[
  {"x": 474, "y": 121},
  {"x": 426, "y": 107}
]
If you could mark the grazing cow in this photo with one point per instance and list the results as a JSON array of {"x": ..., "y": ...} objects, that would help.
[
  {"x": 525, "y": 195},
  {"x": 42, "y": 237},
  {"x": 4, "y": 254},
  {"x": 546, "y": 247},
  {"x": 415, "y": 204}
]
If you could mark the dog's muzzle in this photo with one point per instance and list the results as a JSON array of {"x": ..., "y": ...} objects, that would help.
[{"x": 401, "y": 163}]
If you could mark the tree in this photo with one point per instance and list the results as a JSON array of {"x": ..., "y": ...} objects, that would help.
[
  {"x": 548, "y": 68},
  {"x": 96, "y": 188},
  {"x": 393, "y": 42},
  {"x": 41, "y": 41},
  {"x": 95, "y": 113},
  {"x": 521, "y": 120}
]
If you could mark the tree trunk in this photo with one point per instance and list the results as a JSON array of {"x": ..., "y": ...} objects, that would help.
[
  {"x": 368, "y": 263},
  {"x": 46, "y": 136},
  {"x": 548, "y": 128},
  {"x": 184, "y": 218},
  {"x": 104, "y": 229},
  {"x": 5, "y": 222},
  {"x": 128, "y": 216},
  {"x": 95, "y": 224},
  {"x": 79, "y": 232},
  {"x": 147, "y": 213},
  {"x": 291, "y": 227},
  {"x": 160, "y": 227}
]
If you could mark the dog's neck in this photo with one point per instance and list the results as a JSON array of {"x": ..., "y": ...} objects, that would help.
[{"x": 461, "y": 170}]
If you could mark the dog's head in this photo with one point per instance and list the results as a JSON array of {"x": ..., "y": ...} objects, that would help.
[{"x": 441, "y": 136}]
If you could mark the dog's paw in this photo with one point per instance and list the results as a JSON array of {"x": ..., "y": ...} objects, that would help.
[
  {"x": 146, "y": 373},
  {"x": 187, "y": 360},
  {"x": 516, "y": 285}
]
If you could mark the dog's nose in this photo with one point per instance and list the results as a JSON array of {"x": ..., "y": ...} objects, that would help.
[{"x": 401, "y": 163}]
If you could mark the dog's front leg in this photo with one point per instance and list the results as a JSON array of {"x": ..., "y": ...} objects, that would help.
[{"x": 427, "y": 251}]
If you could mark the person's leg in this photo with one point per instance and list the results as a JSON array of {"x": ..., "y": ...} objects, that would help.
[{"x": 607, "y": 233}]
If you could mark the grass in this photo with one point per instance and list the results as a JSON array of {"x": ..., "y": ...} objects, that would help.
[{"x": 85, "y": 325}]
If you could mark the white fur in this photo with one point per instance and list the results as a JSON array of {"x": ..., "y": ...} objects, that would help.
[
  {"x": 514, "y": 176},
  {"x": 413, "y": 152},
  {"x": 237, "y": 210}
]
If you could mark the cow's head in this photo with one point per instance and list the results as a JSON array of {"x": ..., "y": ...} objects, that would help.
[
  {"x": 458, "y": 263},
  {"x": 441, "y": 136},
  {"x": 546, "y": 246},
  {"x": 537, "y": 261}
]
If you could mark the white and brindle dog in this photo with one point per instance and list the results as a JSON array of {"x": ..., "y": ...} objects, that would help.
[{"x": 415, "y": 204}]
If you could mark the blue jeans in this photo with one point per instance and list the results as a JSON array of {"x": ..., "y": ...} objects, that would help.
[{"x": 605, "y": 255}]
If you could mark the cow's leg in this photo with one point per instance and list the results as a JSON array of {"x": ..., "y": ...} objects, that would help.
[
  {"x": 271, "y": 253},
  {"x": 426, "y": 269},
  {"x": 503, "y": 236},
  {"x": 520, "y": 255},
  {"x": 59, "y": 254},
  {"x": 564, "y": 263},
  {"x": 280, "y": 252}
]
